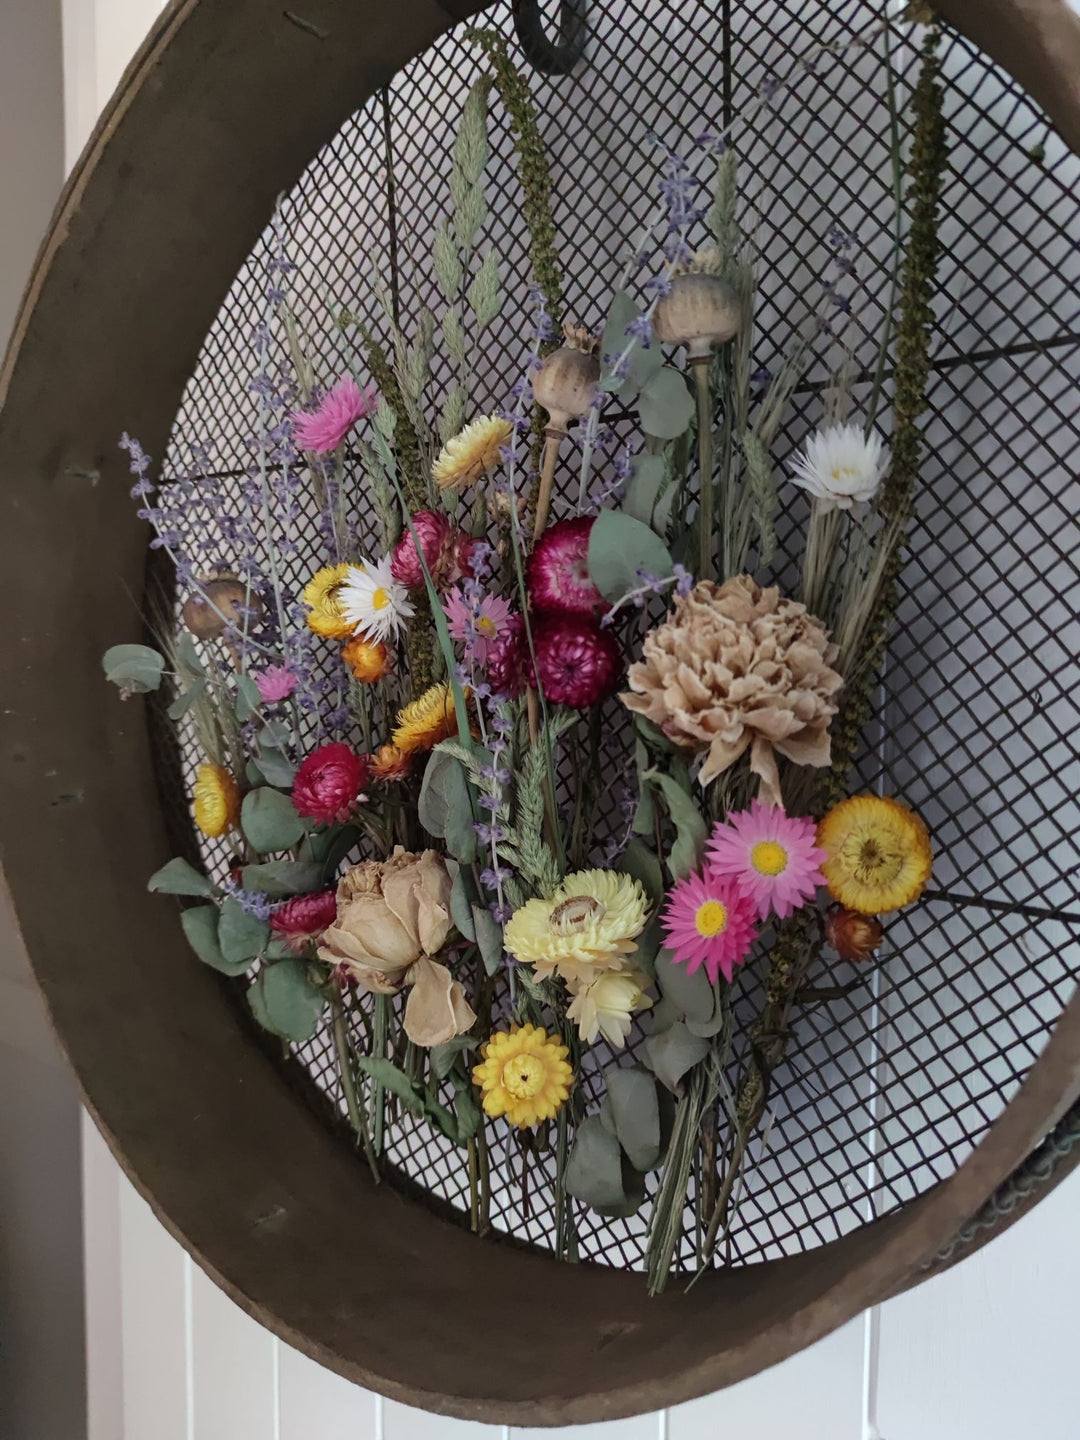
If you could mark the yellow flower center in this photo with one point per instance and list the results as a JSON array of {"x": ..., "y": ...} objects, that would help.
[
  {"x": 574, "y": 914},
  {"x": 711, "y": 919},
  {"x": 487, "y": 626},
  {"x": 381, "y": 598},
  {"x": 524, "y": 1076},
  {"x": 769, "y": 858}
]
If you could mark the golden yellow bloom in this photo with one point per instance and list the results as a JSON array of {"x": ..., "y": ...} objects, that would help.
[
  {"x": 472, "y": 454},
  {"x": 524, "y": 1075},
  {"x": 321, "y": 596},
  {"x": 389, "y": 763},
  {"x": 879, "y": 854},
  {"x": 368, "y": 660},
  {"x": 587, "y": 925},
  {"x": 216, "y": 801},
  {"x": 426, "y": 721}
]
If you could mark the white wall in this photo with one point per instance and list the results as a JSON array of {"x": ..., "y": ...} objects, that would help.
[{"x": 982, "y": 1353}]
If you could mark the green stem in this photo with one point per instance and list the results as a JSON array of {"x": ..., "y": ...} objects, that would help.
[
  {"x": 353, "y": 1102},
  {"x": 382, "y": 1007},
  {"x": 700, "y": 367}
]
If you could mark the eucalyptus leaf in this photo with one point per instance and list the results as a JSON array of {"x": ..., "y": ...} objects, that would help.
[
  {"x": 445, "y": 805},
  {"x": 275, "y": 735},
  {"x": 200, "y": 925},
  {"x": 489, "y": 937},
  {"x": 692, "y": 995},
  {"x": 622, "y": 551},
  {"x": 284, "y": 1001},
  {"x": 276, "y": 768},
  {"x": 643, "y": 487},
  {"x": 444, "y": 1056},
  {"x": 186, "y": 699},
  {"x": 385, "y": 1073},
  {"x": 241, "y": 935},
  {"x": 635, "y": 1111},
  {"x": 633, "y": 1182},
  {"x": 187, "y": 652},
  {"x": 248, "y": 698},
  {"x": 594, "y": 1170},
  {"x": 690, "y": 828},
  {"x": 665, "y": 405},
  {"x": 642, "y": 362},
  {"x": 461, "y": 904},
  {"x": 135, "y": 668},
  {"x": 278, "y": 878},
  {"x": 639, "y": 861},
  {"x": 179, "y": 877},
  {"x": 671, "y": 1053},
  {"x": 269, "y": 821}
]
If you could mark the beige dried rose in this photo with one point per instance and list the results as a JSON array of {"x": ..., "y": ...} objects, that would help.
[
  {"x": 736, "y": 666},
  {"x": 393, "y": 916}
]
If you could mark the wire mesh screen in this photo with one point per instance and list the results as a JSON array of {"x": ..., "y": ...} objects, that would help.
[{"x": 893, "y": 1072}]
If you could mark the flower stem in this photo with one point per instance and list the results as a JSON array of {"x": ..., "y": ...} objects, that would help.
[
  {"x": 379, "y": 1048},
  {"x": 547, "y": 480},
  {"x": 353, "y": 1103},
  {"x": 700, "y": 367}
]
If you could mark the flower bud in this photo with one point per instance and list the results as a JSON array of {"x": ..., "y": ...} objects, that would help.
[
  {"x": 851, "y": 935},
  {"x": 217, "y": 605},
  {"x": 566, "y": 383},
  {"x": 700, "y": 310}
]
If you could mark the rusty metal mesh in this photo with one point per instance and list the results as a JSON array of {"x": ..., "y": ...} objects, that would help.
[{"x": 888, "y": 1085}]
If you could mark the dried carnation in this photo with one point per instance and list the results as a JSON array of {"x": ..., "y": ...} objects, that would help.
[{"x": 737, "y": 666}]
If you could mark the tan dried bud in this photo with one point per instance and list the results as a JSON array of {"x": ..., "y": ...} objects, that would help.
[
  {"x": 566, "y": 383},
  {"x": 853, "y": 936},
  {"x": 700, "y": 310},
  {"x": 220, "y": 602}
]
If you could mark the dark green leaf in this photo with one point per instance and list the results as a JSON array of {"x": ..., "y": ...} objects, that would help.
[
  {"x": 665, "y": 404},
  {"x": 178, "y": 877},
  {"x": 469, "y": 1114},
  {"x": 635, "y": 1111},
  {"x": 386, "y": 1073},
  {"x": 278, "y": 878},
  {"x": 690, "y": 828},
  {"x": 201, "y": 928},
  {"x": 672, "y": 1052},
  {"x": 248, "y": 698},
  {"x": 285, "y": 1002},
  {"x": 461, "y": 904},
  {"x": 240, "y": 935},
  {"x": 443, "y": 1057},
  {"x": 270, "y": 821},
  {"x": 639, "y": 861},
  {"x": 621, "y": 552},
  {"x": 135, "y": 668},
  {"x": 489, "y": 937}
]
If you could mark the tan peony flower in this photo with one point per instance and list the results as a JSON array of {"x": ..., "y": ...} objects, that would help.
[
  {"x": 736, "y": 666},
  {"x": 393, "y": 916}
]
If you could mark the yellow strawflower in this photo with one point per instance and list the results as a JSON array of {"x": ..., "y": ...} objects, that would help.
[
  {"x": 473, "y": 453},
  {"x": 426, "y": 721},
  {"x": 322, "y": 597},
  {"x": 878, "y": 854},
  {"x": 216, "y": 801},
  {"x": 524, "y": 1075},
  {"x": 587, "y": 925}
]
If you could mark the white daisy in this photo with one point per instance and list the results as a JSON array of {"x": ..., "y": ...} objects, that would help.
[
  {"x": 841, "y": 466},
  {"x": 372, "y": 601}
]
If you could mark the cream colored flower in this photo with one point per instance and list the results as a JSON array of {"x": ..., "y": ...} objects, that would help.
[
  {"x": 841, "y": 466},
  {"x": 589, "y": 924},
  {"x": 393, "y": 916},
  {"x": 735, "y": 667},
  {"x": 606, "y": 1006},
  {"x": 473, "y": 453}
]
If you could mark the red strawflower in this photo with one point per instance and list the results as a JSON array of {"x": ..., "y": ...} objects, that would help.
[
  {"x": 303, "y": 919},
  {"x": 447, "y": 552},
  {"x": 329, "y": 782},
  {"x": 506, "y": 664},
  {"x": 558, "y": 572},
  {"x": 577, "y": 662}
]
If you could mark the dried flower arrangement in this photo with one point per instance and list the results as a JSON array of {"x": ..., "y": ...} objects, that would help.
[{"x": 400, "y": 855}]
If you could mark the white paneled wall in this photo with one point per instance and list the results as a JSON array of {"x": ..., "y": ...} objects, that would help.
[{"x": 982, "y": 1353}]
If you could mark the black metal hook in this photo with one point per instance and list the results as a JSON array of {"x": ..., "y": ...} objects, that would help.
[{"x": 545, "y": 55}]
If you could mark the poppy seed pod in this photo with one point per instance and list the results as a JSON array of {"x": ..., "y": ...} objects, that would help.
[
  {"x": 566, "y": 383},
  {"x": 218, "y": 604},
  {"x": 701, "y": 310}
]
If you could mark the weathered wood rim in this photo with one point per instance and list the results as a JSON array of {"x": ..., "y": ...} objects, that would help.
[{"x": 174, "y": 187}]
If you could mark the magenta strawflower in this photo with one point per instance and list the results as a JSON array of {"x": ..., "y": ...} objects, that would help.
[
  {"x": 479, "y": 625},
  {"x": 577, "y": 663},
  {"x": 507, "y": 665},
  {"x": 771, "y": 855},
  {"x": 303, "y": 918},
  {"x": 329, "y": 783},
  {"x": 276, "y": 682},
  {"x": 709, "y": 922},
  {"x": 323, "y": 429},
  {"x": 447, "y": 552},
  {"x": 558, "y": 572}
]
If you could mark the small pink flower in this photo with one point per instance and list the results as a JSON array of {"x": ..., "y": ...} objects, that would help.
[
  {"x": 708, "y": 922},
  {"x": 329, "y": 782},
  {"x": 276, "y": 682},
  {"x": 323, "y": 429},
  {"x": 771, "y": 855},
  {"x": 508, "y": 668},
  {"x": 578, "y": 663},
  {"x": 447, "y": 552},
  {"x": 478, "y": 626},
  {"x": 558, "y": 574},
  {"x": 303, "y": 919}
]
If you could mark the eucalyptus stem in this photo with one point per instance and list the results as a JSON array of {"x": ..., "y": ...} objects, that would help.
[
  {"x": 382, "y": 1016},
  {"x": 353, "y": 1102},
  {"x": 666, "y": 1221},
  {"x": 700, "y": 366}
]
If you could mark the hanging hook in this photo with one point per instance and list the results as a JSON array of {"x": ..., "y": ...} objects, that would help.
[{"x": 545, "y": 55}]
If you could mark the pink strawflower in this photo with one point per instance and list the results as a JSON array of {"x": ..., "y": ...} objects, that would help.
[
  {"x": 303, "y": 919},
  {"x": 329, "y": 782},
  {"x": 771, "y": 855},
  {"x": 558, "y": 572},
  {"x": 577, "y": 662},
  {"x": 323, "y": 429},
  {"x": 508, "y": 668},
  {"x": 447, "y": 552},
  {"x": 708, "y": 921},
  {"x": 276, "y": 682},
  {"x": 478, "y": 625}
]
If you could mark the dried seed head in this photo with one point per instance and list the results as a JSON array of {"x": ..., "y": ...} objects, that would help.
[
  {"x": 700, "y": 310},
  {"x": 566, "y": 383}
]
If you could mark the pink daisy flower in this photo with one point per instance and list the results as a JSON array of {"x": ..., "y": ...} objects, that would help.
[
  {"x": 324, "y": 428},
  {"x": 771, "y": 855},
  {"x": 478, "y": 624},
  {"x": 708, "y": 921},
  {"x": 276, "y": 682}
]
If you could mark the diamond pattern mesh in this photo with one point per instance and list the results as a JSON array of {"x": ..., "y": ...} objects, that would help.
[{"x": 889, "y": 1082}]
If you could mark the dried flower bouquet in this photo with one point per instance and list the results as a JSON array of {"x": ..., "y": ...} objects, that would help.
[{"x": 413, "y": 857}]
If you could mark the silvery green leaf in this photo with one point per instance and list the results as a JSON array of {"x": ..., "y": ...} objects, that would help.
[
  {"x": 665, "y": 405},
  {"x": 135, "y": 668},
  {"x": 635, "y": 1112},
  {"x": 622, "y": 552},
  {"x": 445, "y": 806},
  {"x": 179, "y": 877},
  {"x": 188, "y": 654},
  {"x": 693, "y": 996},
  {"x": 671, "y": 1053},
  {"x": 594, "y": 1170},
  {"x": 690, "y": 828},
  {"x": 241, "y": 936},
  {"x": 269, "y": 821},
  {"x": 489, "y": 937},
  {"x": 248, "y": 698},
  {"x": 284, "y": 1001},
  {"x": 276, "y": 734},
  {"x": 276, "y": 768},
  {"x": 187, "y": 698},
  {"x": 643, "y": 486},
  {"x": 279, "y": 878},
  {"x": 200, "y": 926},
  {"x": 641, "y": 362}
]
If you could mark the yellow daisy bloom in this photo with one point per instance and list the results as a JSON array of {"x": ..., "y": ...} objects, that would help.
[
  {"x": 473, "y": 453},
  {"x": 426, "y": 721},
  {"x": 216, "y": 801},
  {"x": 878, "y": 854},
  {"x": 588, "y": 925},
  {"x": 524, "y": 1075},
  {"x": 322, "y": 596}
]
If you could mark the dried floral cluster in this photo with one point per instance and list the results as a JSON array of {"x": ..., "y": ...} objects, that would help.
[{"x": 412, "y": 854}]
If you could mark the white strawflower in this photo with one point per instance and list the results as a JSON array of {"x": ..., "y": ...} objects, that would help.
[
  {"x": 372, "y": 601},
  {"x": 841, "y": 466}
]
